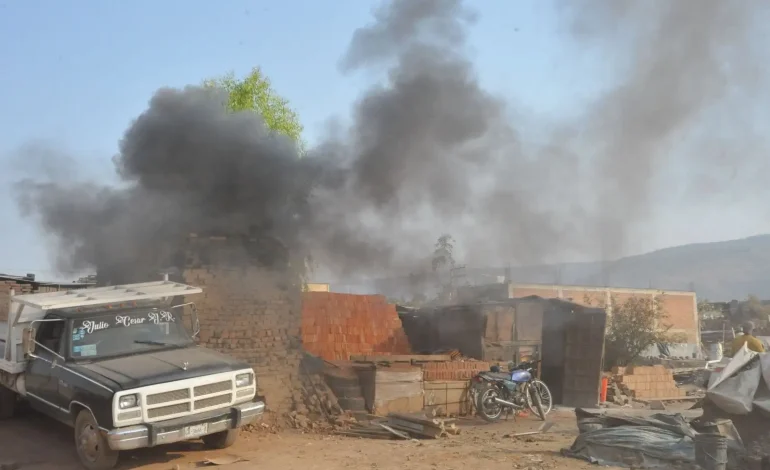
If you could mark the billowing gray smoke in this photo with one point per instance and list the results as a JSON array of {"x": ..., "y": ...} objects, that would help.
[
  {"x": 429, "y": 152},
  {"x": 689, "y": 69}
]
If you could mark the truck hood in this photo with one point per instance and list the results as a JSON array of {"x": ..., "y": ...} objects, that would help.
[{"x": 152, "y": 368}]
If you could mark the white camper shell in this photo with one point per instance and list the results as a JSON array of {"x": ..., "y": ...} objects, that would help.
[{"x": 29, "y": 308}]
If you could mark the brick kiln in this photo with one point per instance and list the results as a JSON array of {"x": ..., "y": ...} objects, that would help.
[{"x": 251, "y": 313}]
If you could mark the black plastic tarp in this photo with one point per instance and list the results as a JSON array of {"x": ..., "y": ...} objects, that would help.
[{"x": 657, "y": 441}]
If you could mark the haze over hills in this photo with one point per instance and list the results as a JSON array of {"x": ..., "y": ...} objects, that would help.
[{"x": 718, "y": 271}]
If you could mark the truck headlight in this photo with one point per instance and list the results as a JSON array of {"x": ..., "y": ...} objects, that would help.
[
  {"x": 244, "y": 380},
  {"x": 128, "y": 401}
]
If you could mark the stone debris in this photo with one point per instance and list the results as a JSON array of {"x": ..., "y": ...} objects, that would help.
[
  {"x": 317, "y": 407},
  {"x": 615, "y": 394}
]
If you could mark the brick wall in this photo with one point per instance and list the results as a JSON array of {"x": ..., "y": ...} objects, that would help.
[
  {"x": 680, "y": 307},
  {"x": 680, "y": 310},
  {"x": 18, "y": 288},
  {"x": 249, "y": 313},
  {"x": 454, "y": 370},
  {"x": 335, "y": 326}
]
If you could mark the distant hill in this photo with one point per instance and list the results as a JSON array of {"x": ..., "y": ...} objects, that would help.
[{"x": 717, "y": 271}]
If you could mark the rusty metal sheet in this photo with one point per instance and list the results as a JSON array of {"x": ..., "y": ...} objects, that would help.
[
  {"x": 583, "y": 359},
  {"x": 529, "y": 320}
]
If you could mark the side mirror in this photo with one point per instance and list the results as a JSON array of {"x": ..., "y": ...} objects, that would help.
[
  {"x": 28, "y": 341},
  {"x": 196, "y": 324}
]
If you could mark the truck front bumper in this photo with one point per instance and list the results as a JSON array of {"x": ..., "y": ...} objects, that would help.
[{"x": 186, "y": 428}]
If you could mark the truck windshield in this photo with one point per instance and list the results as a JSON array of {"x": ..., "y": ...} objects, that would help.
[{"x": 127, "y": 332}]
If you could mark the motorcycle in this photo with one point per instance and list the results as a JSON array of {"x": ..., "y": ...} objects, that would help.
[{"x": 495, "y": 392}]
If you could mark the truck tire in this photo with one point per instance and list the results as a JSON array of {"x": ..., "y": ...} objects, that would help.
[
  {"x": 91, "y": 444},
  {"x": 221, "y": 440},
  {"x": 8, "y": 401}
]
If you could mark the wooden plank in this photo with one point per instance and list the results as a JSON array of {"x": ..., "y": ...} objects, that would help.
[
  {"x": 422, "y": 419},
  {"x": 541, "y": 430},
  {"x": 416, "y": 428},
  {"x": 647, "y": 401},
  {"x": 382, "y": 435},
  {"x": 402, "y": 358},
  {"x": 400, "y": 434}
]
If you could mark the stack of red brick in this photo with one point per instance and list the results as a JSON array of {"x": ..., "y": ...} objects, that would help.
[
  {"x": 647, "y": 382},
  {"x": 336, "y": 326},
  {"x": 454, "y": 370}
]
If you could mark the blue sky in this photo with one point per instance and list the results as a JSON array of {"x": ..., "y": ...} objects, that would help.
[{"x": 74, "y": 74}]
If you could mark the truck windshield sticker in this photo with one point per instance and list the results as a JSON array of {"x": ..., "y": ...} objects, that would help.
[
  {"x": 85, "y": 350},
  {"x": 154, "y": 317}
]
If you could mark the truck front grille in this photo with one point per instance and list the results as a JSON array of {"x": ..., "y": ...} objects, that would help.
[
  {"x": 168, "y": 410},
  {"x": 213, "y": 401},
  {"x": 174, "y": 395},
  {"x": 218, "y": 387},
  {"x": 130, "y": 415},
  {"x": 188, "y": 400}
]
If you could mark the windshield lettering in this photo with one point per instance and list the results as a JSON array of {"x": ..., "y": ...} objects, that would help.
[
  {"x": 161, "y": 317},
  {"x": 123, "y": 332},
  {"x": 90, "y": 326},
  {"x": 128, "y": 321},
  {"x": 155, "y": 317}
]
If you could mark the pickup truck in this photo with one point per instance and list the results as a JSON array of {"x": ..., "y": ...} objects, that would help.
[{"x": 119, "y": 365}]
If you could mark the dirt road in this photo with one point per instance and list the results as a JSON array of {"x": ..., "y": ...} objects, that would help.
[{"x": 38, "y": 443}]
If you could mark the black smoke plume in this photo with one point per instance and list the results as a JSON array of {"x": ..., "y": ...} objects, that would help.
[{"x": 429, "y": 152}]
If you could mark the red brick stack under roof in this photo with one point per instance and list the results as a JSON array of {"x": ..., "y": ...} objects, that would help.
[{"x": 336, "y": 326}]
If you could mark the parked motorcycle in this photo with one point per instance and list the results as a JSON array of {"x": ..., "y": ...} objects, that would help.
[{"x": 495, "y": 392}]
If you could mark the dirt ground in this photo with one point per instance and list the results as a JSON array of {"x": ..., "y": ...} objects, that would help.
[{"x": 35, "y": 442}]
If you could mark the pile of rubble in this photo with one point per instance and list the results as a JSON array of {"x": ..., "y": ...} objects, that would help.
[{"x": 315, "y": 404}]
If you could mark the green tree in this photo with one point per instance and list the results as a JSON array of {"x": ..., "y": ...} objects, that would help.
[
  {"x": 635, "y": 325},
  {"x": 754, "y": 309},
  {"x": 255, "y": 93},
  {"x": 443, "y": 253}
]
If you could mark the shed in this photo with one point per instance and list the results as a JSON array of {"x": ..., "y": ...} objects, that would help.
[{"x": 568, "y": 338}]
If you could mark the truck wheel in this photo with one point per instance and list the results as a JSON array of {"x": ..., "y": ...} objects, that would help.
[
  {"x": 91, "y": 444},
  {"x": 221, "y": 440},
  {"x": 7, "y": 403}
]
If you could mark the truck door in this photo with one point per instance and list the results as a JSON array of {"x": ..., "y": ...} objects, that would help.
[{"x": 43, "y": 372}]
